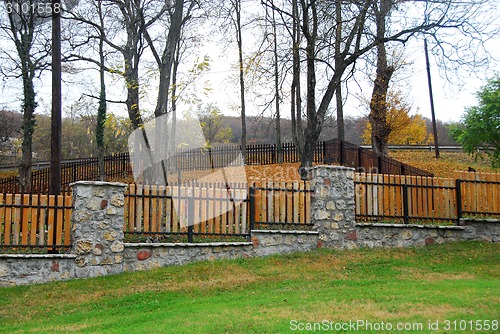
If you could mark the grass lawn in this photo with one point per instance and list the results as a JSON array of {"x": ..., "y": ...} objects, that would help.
[{"x": 273, "y": 295}]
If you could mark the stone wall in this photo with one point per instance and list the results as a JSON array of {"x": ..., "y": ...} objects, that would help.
[
  {"x": 481, "y": 229},
  {"x": 144, "y": 256},
  {"x": 333, "y": 216},
  {"x": 266, "y": 242},
  {"x": 20, "y": 269},
  {"x": 98, "y": 247},
  {"x": 97, "y": 228},
  {"x": 401, "y": 235},
  {"x": 332, "y": 205}
]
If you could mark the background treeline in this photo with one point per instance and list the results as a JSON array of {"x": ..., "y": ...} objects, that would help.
[{"x": 79, "y": 133}]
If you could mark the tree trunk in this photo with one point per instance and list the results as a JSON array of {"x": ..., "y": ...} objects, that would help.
[
  {"x": 132, "y": 101},
  {"x": 338, "y": 64},
  {"x": 378, "y": 103},
  {"x": 101, "y": 110},
  {"x": 168, "y": 58},
  {"x": 295, "y": 91},
  {"x": 277, "y": 93},
  {"x": 28, "y": 127},
  {"x": 28, "y": 123},
  {"x": 237, "y": 8},
  {"x": 314, "y": 123}
]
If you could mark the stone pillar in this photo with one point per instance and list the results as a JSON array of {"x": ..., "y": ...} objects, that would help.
[
  {"x": 97, "y": 227},
  {"x": 332, "y": 205}
]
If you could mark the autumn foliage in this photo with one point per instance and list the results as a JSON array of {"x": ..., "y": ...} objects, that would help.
[{"x": 403, "y": 128}]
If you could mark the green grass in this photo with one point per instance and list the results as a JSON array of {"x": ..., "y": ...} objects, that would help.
[{"x": 459, "y": 281}]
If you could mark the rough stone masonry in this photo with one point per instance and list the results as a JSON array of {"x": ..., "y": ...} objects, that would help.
[
  {"x": 97, "y": 228},
  {"x": 333, "y": 206}
]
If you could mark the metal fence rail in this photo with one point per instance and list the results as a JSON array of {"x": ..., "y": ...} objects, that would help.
[{"x": 365, "y": 160}]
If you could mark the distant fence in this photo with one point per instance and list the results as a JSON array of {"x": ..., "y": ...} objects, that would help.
[
  {"x": 117, "y": 165},
  {"x": 329, "y": 152},
  {"x": 408, "y": 199},
  {"x": 365, "y": 160},
  {"x": 28, "y": 220}
]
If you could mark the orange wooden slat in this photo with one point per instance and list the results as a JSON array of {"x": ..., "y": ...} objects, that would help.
[
  {"x": 289, "y": 203},
  {"x": 26, "y": 217},
  {"x": 16, "y": 220},
  {"x": 308, "y": 204},
  {"x": 34, "y": 219},
  {"x": 9, "y": 200},
  {"x": 50, "y": 220},
  {"x": 283, "y": 202},
  {"x": 43, "y": 201},
  {"x": 203, "y": 216},
  {"x": 146, "y": 208},
  {"x": 60, "y": 216},
  {"x": 295, "y": 205},
  {"x": 154, "y": 209},
  {"x": 68, "y": 201}
]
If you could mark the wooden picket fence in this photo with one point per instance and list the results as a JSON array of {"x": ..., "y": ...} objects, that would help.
[
  {"x": 202, "y": 210},
  {"x": 400, "y": 198},
  {"x": 212, "y": 210},
  {"x": 282, "y": 204},
  {"x": 27, "y": 221},
  {"x": 480, "y": 193}
]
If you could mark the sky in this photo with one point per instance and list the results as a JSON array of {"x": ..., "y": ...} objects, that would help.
[{"x": 450, "y": 98}]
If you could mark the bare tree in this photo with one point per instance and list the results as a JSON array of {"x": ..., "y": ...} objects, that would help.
[
  {"x": 316, "y": 25},
  {"x": 236, "y": 19},
  {"x": 378, "y": 103},
  {"x": 9, "y": 126},
  {"x": 24, "y": 58}
]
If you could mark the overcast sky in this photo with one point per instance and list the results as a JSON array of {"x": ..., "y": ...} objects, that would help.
[{"x": 450, "y": 98}]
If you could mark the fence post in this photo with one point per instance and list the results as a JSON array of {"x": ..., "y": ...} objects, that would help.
[
  {"x": 403, "y": 169},
  {"x": 341, "y": 152},
  {"x": 324, "y": 152},
  {"x": 252, "y": 208},
  {"x": 458, "y": 190},
  {"x": 190, "y": 216},
  {"x": 74, "y": 172},
  {"x": 379, "y": 164},
  {"x": 405, "y": 203},
  {"x": 360, "y": 158}
]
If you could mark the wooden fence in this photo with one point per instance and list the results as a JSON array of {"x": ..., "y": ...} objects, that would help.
[
  {"x": 399, "y": 198},
  {"x": 479, "y": 193},
  {"x": 330, "y": 152},
  {"x": 28, "y": 220},
  {"x": 365, "y": 160},
  {"x": 215, "y": 210},
  {"x": 211, "y": 210},
  {"x": 204, "y": 210},
  {"x": 280, "y": 204}
]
